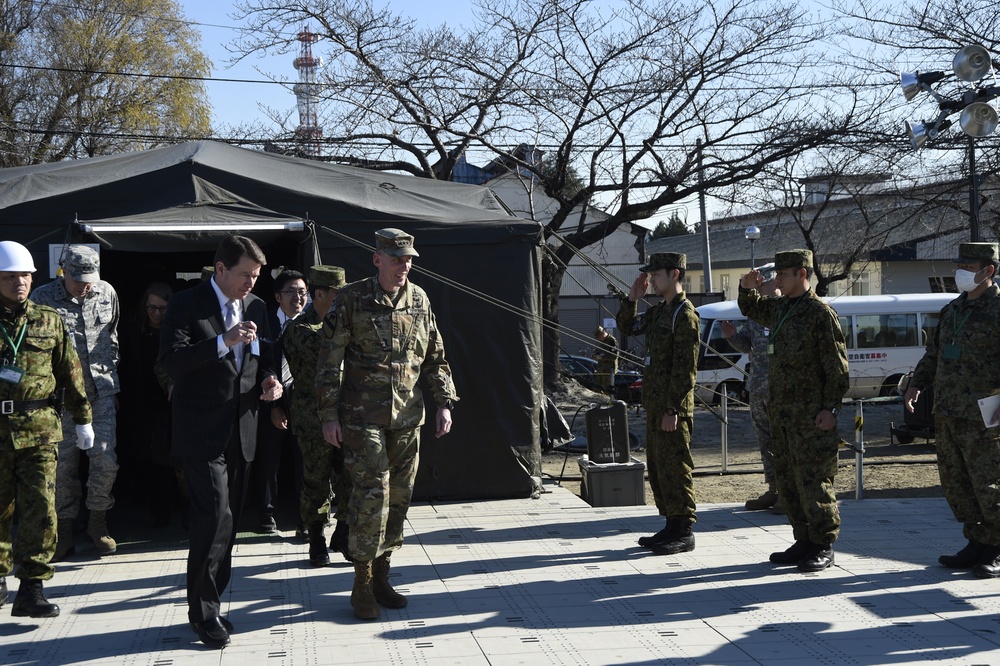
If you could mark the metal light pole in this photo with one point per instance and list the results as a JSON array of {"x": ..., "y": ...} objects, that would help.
[
  {"x": 752, "y": 234},
  {"x": 977, "y": 117}
]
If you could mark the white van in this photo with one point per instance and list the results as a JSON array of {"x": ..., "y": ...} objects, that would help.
[{"x": 885, "y": 335}]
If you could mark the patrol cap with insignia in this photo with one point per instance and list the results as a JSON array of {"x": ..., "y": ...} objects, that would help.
[
  {"x": 975, "y": 252},
  {"x": 327, "y": 276},
  {"x": 82, "y": 263},
  {"x": 395, "y": 243},
  {"x": 793, "y": 259},
  {"x": 667, "y": 260}
]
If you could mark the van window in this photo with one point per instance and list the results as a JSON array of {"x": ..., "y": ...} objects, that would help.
[
  {"x": 887, "y": 330},
  {"x": 847, "y": 327},
  {"x": 718, "y": 344},
  {"x": 928, "y": 324}
]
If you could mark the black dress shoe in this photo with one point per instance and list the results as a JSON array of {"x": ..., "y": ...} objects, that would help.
[
  {"x": 212, "y": 633},
  {"x": 819, "y": 557},
  {"x": 792, "y": 555},
  {"x": 267, "y": 525},
  {"x": 989, "y": 567},
  {"x": 227, "y": 624}
]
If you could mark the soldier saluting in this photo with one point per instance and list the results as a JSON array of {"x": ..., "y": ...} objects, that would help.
[
  {"x": 807, "y": 379},
  {"x": 38, "y": 360}
]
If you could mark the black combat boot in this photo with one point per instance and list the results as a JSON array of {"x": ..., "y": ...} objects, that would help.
[
  {"x": 654, "y": 539},
  {"x": 31, "y": 602},
  {"x": 318, "y": 555},
  {"x": 680, "y": 539},
  {"x": 793, "y": 555},
  {"x": 338, "y": 540},
  {"x": 989, "y": 566},
  {"x": 819, "y": 557},
  {"x": 966, "y": 558}
]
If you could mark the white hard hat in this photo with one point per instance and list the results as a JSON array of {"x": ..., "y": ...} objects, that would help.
[{"x": 15, "y": 258}]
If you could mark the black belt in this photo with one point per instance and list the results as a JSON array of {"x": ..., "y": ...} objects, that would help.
[{"x": 22, "y": 406}]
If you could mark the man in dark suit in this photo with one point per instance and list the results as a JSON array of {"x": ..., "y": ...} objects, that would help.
[{"x": 210, "y": 346}]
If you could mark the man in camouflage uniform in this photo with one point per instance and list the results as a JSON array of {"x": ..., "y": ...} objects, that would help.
[
  {"x": 607, "y": 360},
  {"x": 672, "y": 328},
  {"x": 962, "y": 361},
  {"x": 89, "y": 310},
  {"x": 380, "y": 338},
  {"x": 38, "y": 359},
  {"x": 752, "y": 339},
  {"x": 320, "y": 461},
  {"x": 807, "y": 380}
]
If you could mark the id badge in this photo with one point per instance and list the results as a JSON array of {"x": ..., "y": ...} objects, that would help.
[
  {"x": 255, "y": 348},
  {"x": 952, "y": 352},
  {"x": 770, "y": 350},
  {"x": 646, "y": 361},
  {"x": 11, "y": 374}
]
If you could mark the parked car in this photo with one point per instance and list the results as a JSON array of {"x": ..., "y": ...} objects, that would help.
[{"x": 628, "y": 384}]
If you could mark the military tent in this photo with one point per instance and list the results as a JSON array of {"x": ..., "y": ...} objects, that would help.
[{"x": 159, "y": 214}]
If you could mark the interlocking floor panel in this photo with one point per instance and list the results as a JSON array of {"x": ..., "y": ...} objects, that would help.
[{"x": 538, "y": 582}]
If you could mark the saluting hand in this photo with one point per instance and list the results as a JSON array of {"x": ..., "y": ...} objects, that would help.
[
  {"x": 639, "y": 287},
  {"x": 752, "y": 280}
]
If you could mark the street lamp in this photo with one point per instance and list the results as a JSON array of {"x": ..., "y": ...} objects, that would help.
[
  {"x": 977, "y": 117},
  {"x": 752, "y": 234}
]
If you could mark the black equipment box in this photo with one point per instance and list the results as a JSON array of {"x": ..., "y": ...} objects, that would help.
[{"x": 607, "y": 433}]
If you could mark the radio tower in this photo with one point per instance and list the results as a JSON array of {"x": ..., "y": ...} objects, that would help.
[{"x": 309, "y": 134}]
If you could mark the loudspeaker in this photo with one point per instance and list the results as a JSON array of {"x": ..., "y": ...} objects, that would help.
[
  {"x": 972, "y": 63},
  {"x": 607, "y": 433}
]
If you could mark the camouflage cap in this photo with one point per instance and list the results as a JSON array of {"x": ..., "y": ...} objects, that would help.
[
  {"x": 327, "y": 276},
  {"x": 974, "y": 252},
  {"x": 395, "y": 243},
  {"x": 207, "y": 272},
  {"x": 82, "y": 263},
  {"x": 667, "y": 260},
  {"x": 793, "y": 259}
]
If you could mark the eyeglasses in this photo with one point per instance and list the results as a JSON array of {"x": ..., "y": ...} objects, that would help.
[
  {"x": 156, "y": 308},
  {"x": 301, "y": 293}
]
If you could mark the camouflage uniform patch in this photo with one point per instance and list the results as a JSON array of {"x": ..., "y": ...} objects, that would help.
[{"x": 807, "y": 373}]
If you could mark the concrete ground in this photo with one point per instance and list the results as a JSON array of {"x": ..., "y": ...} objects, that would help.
[{"x": 547, "y": 581}]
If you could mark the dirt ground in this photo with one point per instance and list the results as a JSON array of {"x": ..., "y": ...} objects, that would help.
[{"x": 889, "y": 469}]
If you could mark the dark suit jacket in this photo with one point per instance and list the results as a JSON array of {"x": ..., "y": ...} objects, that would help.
[{"x": 210, "y": 398}]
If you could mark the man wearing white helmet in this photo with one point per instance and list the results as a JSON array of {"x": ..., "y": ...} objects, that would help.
[{"x": 37, "y": 360}]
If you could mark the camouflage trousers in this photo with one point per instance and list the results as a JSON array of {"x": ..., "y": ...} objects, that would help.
[
  {"x": 762, "y": 432},
  {"x": 382, "y": 464},
  {"x": 604, "y": 376},
  {"x": 670, "y": 467},
  {"x": 805, "y": 464},
  {"x": 29, "y": 475},
  {"x": 322, "y": 473},
  {"x": 969, "y": 465},
  {"x": 102, "y": 458}
]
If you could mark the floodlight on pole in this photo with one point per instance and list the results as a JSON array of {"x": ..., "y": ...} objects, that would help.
[
  {"x": 977, "y": 117},
  {"x": 752, "y": 234}
]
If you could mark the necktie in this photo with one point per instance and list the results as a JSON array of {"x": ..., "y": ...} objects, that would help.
[
  {"x": 286, "y": 373},
  {"x": 232, "y": 319}
]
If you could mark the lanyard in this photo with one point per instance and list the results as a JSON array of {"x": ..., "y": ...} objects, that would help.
[
  {"x": 777, "y": 328},
  {"x": 20, "y": 338},
  {"x": 957, "y": 326}
]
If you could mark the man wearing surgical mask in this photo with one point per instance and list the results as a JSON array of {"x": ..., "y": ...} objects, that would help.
[{"x": 962, "y": 361}]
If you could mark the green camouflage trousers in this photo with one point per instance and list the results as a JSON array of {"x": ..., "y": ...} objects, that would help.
[
  {"x": 969, "y": 465},
  {"x": 322, "y": 472},
  {"x": 668, "y": 460},
  {"x": 382, "y": 464},
  {"x": 805, "y": 464},
  {"x": 30, "y": 476}
]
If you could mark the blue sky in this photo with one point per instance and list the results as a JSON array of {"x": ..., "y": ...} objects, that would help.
[{"x": 235, "y": 103}]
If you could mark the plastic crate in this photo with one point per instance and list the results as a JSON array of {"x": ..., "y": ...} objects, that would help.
[{"x": 613, "y": 484}]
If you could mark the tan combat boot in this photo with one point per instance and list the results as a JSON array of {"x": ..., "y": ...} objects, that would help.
[
  {"x": 97, "y": 529},
  {"x": 384, "y": 594},
  {"x": 765, "y": 501},
  {"x": 362, "y": 598}
]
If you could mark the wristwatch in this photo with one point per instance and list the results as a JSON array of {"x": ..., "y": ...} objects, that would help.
[
  {"x": 834, "y": 410},
  {"x": 671, "y": 411}
]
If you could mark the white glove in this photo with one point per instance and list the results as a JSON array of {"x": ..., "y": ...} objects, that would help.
[{"x": 84, "y": 436}]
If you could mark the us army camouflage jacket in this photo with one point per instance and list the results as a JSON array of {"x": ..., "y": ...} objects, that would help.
[
  {"x": 93, "y": 327},
  {"x": 751, "y": 338},
  {"x": 49, "y": 361},
  {"x": 301, "y": 342},
  {"x": 971, "y": 326},
  {"x": 384, "y": 350},
  {"x": 671, "y": 352},
  {"x": 807, "y": 371}
]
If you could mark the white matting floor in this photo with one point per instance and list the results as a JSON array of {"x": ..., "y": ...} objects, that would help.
[{"x": 547, "y": 581}]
